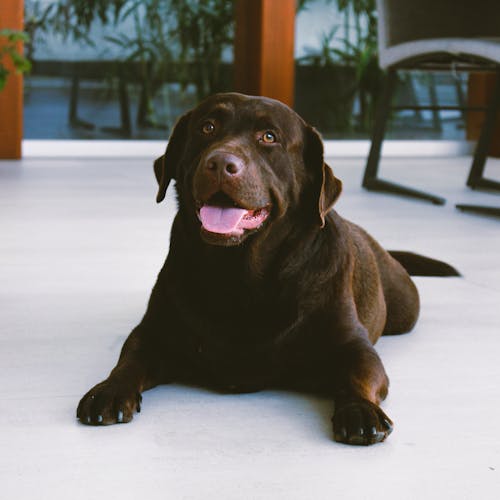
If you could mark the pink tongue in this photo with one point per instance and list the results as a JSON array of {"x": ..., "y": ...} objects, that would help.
[{"x": 221, "y": 220}]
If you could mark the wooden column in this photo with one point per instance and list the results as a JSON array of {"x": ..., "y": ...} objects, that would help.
[
  {"x": 11, "y": 97},
  {"x": 264, "y": 56},
  {"x": 480, "y": 91}
]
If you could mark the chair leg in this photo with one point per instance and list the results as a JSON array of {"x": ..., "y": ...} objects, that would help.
[
  {"x": 476, "y": 178},
  {"x": 381, "y": 118},
  {"x": 414, "y": 99},
  {"x": 371, "y": 181},
  {"x": 124, "y": 104},
  {"x": 436, "y": 117},
  {"x": 125, "y": 128},
  {"x": 74, "y": 120},
  {"x": 460, "y": 97},
  {"x": 480, "y": 209}
]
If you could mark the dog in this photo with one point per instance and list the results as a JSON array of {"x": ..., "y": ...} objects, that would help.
[{"x": 264, "y": 285}]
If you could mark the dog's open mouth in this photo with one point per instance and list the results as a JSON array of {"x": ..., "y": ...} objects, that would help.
[{"x": 221, "y": 215}]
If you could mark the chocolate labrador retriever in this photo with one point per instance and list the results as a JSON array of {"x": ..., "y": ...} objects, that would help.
[{"x": 264, "y": 284}]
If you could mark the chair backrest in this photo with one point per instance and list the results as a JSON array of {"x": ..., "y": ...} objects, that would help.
[{"x": 402, "y": 21}]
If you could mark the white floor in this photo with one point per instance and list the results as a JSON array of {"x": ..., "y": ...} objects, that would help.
[{"x": 80, "y": 245}]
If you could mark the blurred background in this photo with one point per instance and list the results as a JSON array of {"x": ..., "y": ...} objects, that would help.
[{"x": 125, "y": 69}]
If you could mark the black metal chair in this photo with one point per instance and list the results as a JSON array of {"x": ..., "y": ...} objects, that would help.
[{"x": 433, "y": 35}]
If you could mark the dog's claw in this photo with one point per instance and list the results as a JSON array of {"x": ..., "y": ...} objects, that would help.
[
  {"x": 360, "y": 422},
  {"x": 389, "y": 425},
  {"x": 109, "y": 403},
  {"x": 341, "y": 435}
]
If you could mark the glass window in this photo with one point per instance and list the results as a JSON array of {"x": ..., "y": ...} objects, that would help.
[
  {"x": 122, "y": 69},
  {"x": 129, "y": 68},
  {"x": 338, "y": 80}
]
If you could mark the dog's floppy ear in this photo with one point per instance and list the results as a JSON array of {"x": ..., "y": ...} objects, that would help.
[
  {"x": 327, "y": 187},
  {"x": 166, "y": 165}
]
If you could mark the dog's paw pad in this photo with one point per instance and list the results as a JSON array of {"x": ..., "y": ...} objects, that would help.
[
  {"x": 108, "y": 403},
  {"x": 360, "y": 422}
]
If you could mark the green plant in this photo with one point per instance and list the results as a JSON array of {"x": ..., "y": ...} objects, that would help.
[
  {"x": 194, "y": 32},
  {"x": 362, "y": 53},
  {"x": 149, "y": 47},
  {"x": 357, "y": 48},
  {"x": 323, "y": 56},
  {"x": 68, "y": 18},
  {"x": 74, "y": 18},
  {"x": 188, "y": 35},
  {"x": 9, "y": 51},
  {"x": 37, "y": 17},
  {"x": 204, "y": 29}
]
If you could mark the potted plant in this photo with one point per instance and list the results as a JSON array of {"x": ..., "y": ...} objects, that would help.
[
  {"x": 361, "y": 52},
  {"x": 170, "y": 40},
  {"x": 204, "y": 29},
  {"x": 343, "y": 68},
  {"x": 325, "y": 88},
  {"x": 177, "y": 40}
]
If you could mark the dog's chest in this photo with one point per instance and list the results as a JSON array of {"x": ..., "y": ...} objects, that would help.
[
  {"x": 233, "y": 333},
  {"x": 250, "y": 315},
  {"x": 247, "y": 362}
]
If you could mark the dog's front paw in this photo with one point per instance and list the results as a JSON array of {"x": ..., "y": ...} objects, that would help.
[
  {"x": 109, "y": 403},
  {"x": 360, "y": 422}
]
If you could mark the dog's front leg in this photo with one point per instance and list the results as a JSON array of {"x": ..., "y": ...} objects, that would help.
[
  {"x": 361, "y": 384},
  {"x": 117, "y": 398}
]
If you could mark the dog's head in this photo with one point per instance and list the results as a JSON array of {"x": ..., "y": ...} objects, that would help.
[{"x": 243, "y": 165}]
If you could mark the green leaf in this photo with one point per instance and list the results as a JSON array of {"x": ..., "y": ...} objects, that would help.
[
  {"x": 14, "y": 36},
  {"x": 131, "y": 10},
  {"x": 3, "y": 76},
  {"x": 118, "y": 41},
  {"x": 21, "y": 64}
]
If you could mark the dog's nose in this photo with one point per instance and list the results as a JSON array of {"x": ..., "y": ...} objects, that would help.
[{"x": 225, "y": 163}]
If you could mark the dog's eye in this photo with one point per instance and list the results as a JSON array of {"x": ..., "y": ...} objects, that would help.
[
  {"x": 208, "y": 128},
  {"x": 268, "y": 137}
]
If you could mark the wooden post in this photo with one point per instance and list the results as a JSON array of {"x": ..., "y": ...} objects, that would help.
[
  {"x": 11, "y": 97},
  {"x": 264, "y": 48}
]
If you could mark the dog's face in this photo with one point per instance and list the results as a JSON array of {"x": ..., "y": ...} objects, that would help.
[{"x": 244, "y": 164}]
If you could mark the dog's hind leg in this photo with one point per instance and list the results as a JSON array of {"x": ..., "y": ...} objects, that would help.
[{"x": 401, "y": 298}]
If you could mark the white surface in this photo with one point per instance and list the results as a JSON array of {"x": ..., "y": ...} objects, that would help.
[
  {"x": 80, "y": 245},
  {"x": 67, "y": 148},
  {"x": 486, "y": 48}
]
